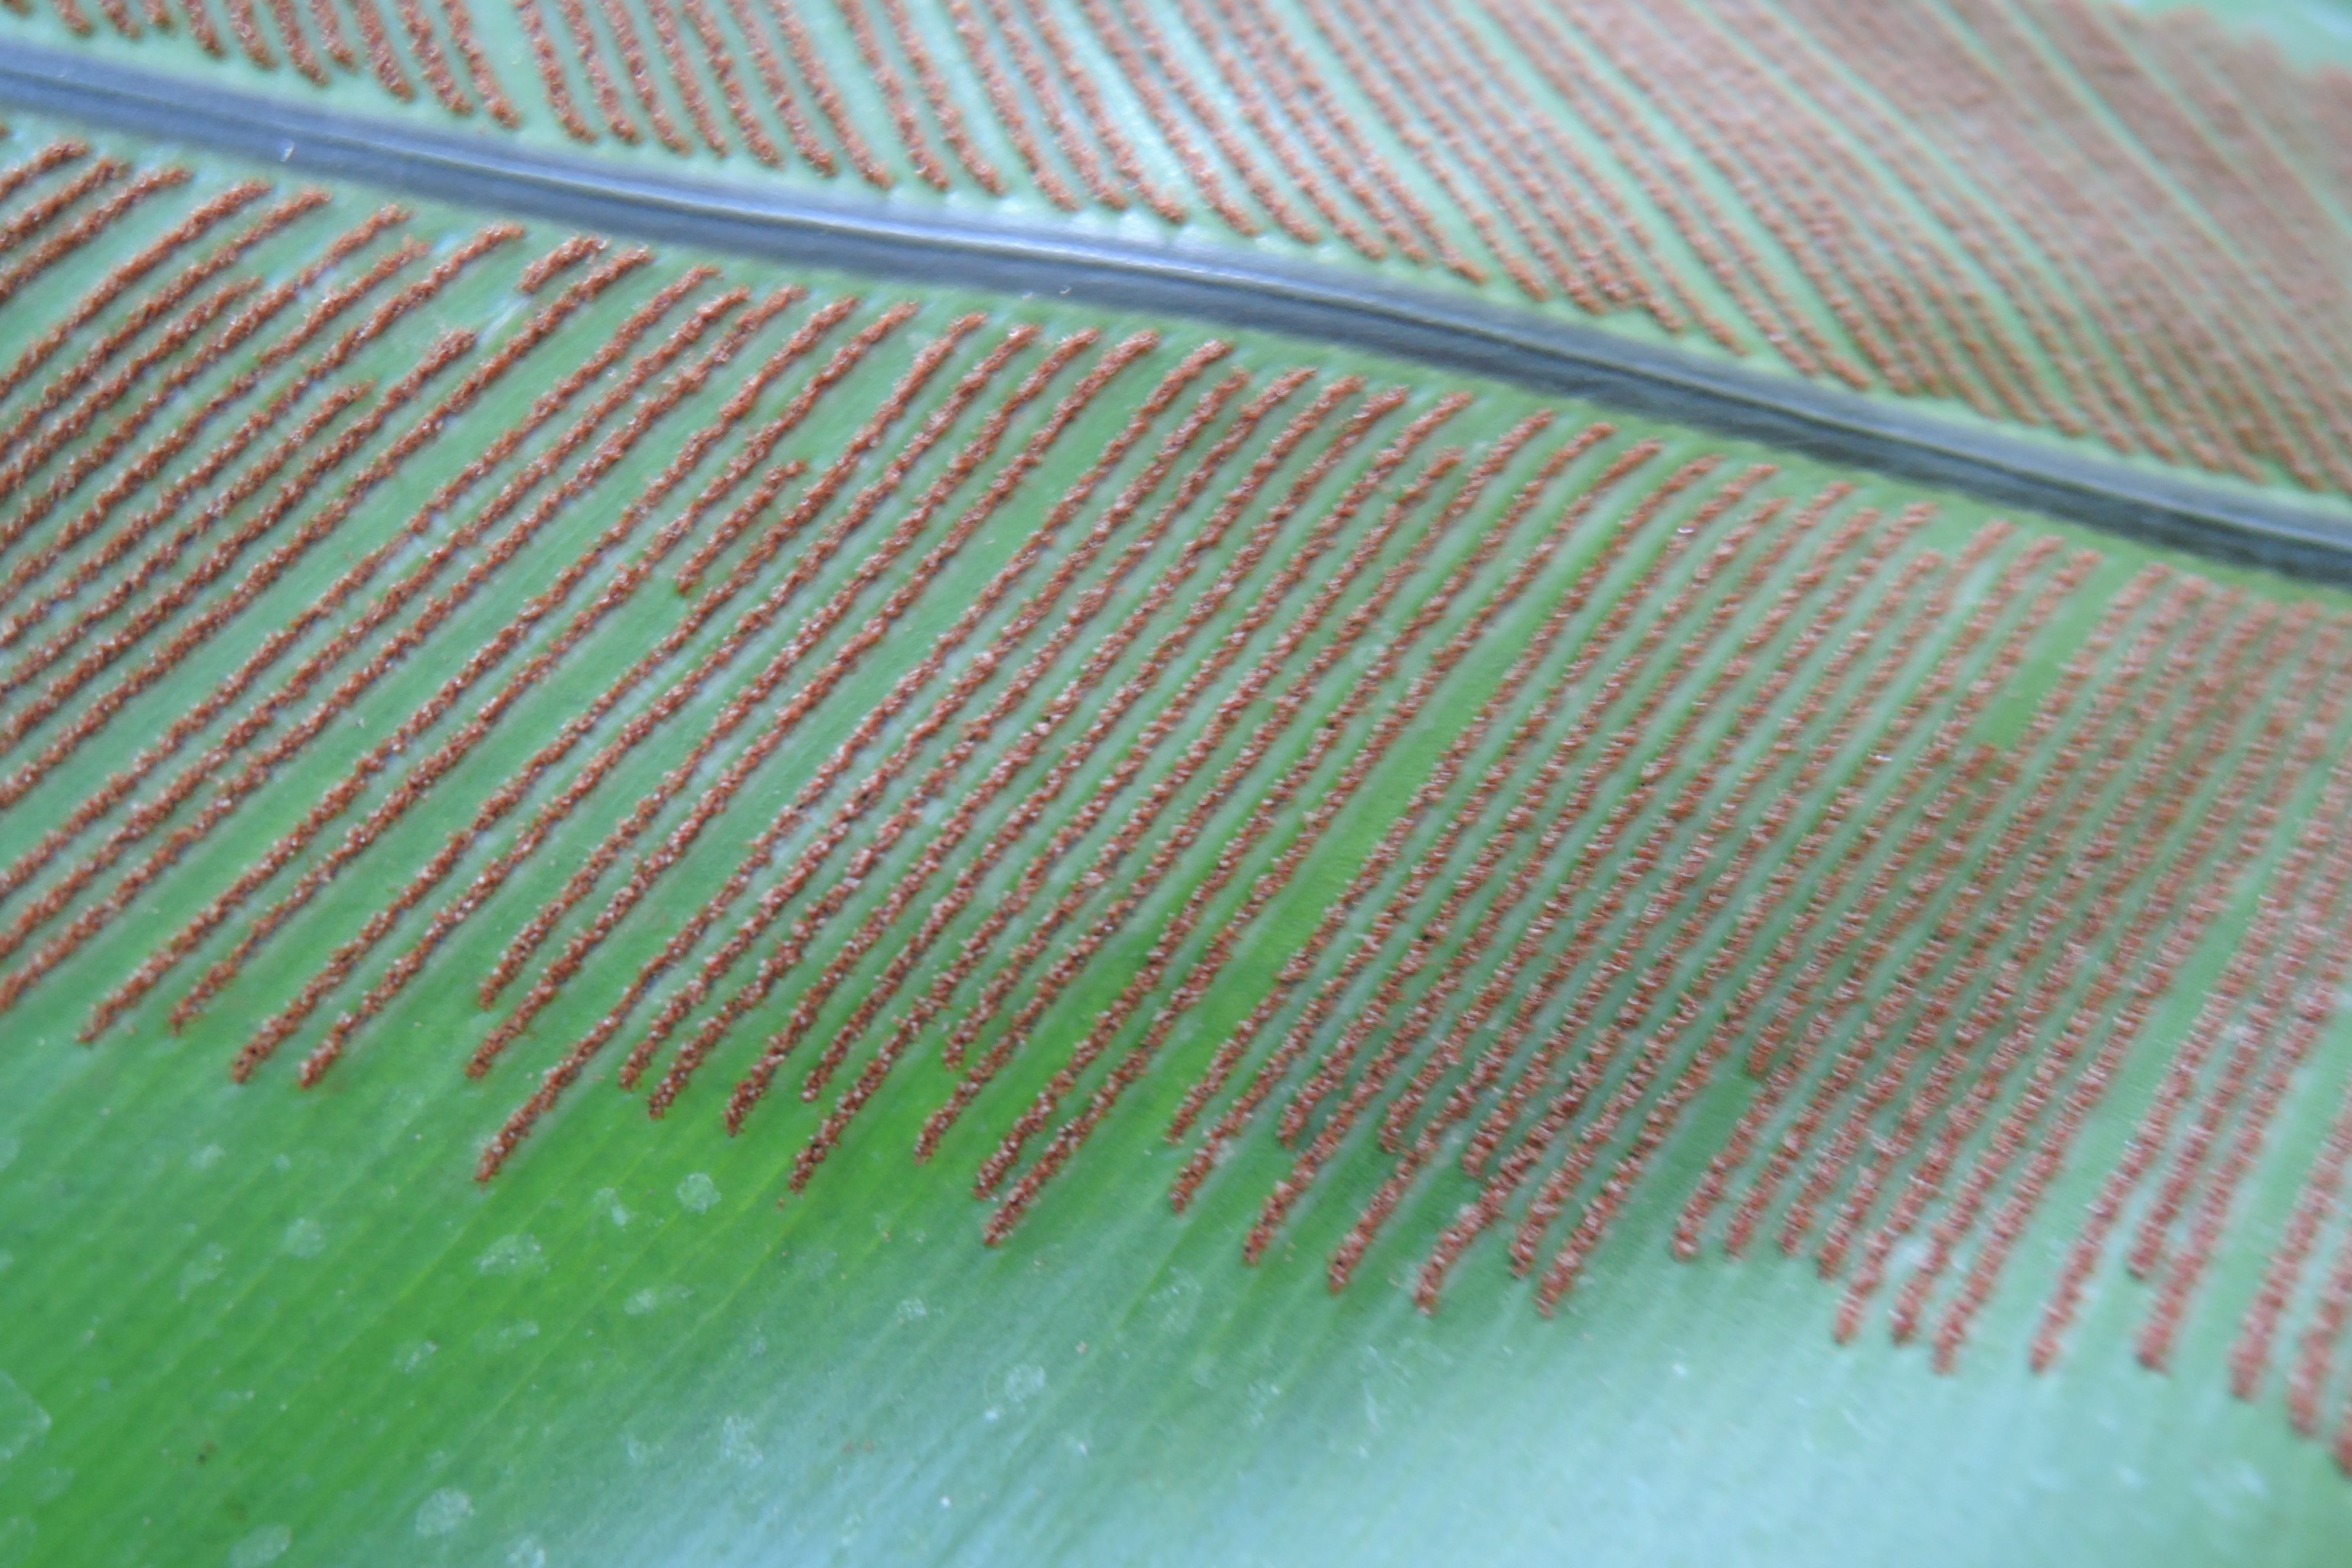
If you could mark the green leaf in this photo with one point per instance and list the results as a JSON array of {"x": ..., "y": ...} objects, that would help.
[{"x": 1889, "y": 935}]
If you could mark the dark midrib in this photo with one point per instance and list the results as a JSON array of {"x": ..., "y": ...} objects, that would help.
[{"x": 1206, "y": 282}]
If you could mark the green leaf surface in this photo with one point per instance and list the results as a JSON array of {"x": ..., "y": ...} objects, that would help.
[{"x": 1827, "y": 728}]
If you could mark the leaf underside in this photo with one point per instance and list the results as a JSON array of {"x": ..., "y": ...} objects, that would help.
[{"x": 1510, "y": 978}]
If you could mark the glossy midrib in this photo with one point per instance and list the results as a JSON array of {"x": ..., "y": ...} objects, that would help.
[{"x": 1214, "y": 283}]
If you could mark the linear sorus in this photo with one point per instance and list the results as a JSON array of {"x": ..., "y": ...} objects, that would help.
[
  {"x": 2312, "y": 1012},
  {"x": 2309, "y": 1388},
  {"x": 1592, "y": 224},
  {"x": 719, "y": 795},
  {"x": 2248, "y": 819},
  {"x": 2015, "y": 1003},
  {"x": 158, "y": 455},
  {"x": 182, "y": 371},
  {"x": 1103, "y": 658},
  {"x": 997, "y": 87},
  {"x": 1774, "y": 308},
  {"x": 36, "y": 262},
  {"x": 1560, "y": 1277},
  {"x": 127, "y": 273},
  {"x": 515, "y": 791},
  {"x": 1419, "y": 1025},
  {"x": 1570, "y": 1261},
  {"x": 1275, "y": 802},
  {"x": 452, "y": 751},
  {"x": 449, "y": 348},
  {"x": 1263, "y": 114},
  {"x": 146, "y": 313},
  {"x": 2269, "y": 246},
  {"x": 2249, "y": 1357},
  {"x": 1286, "y": 709},
  {"x": 2156, "y": 975},
  {"x": 1162, "y": 656},
  {"x": 1018, "y": 685},
  {"x": 126, "y": 276},
  {"x": 2048, "y": 157},
  {"x": 57, "y": 154},
  {"x": 380, "y": 664},
  {"x": 192, "y": 722},
  {"x": 1628, "y": 955},
  {"x": 1767, "y": 1061},
  {"x": 1337, "y": 142},
  {"x": 771, "y": 969},
  {"x": 1589, "y": 934},
  {"x": 2063, "y": 214},
  {"x": 610, "y": 452},
  {"x": 2256, "y": 951},
  {"x": 34, "y": 216},
  {"x": 804, "y": 570},
  {"x": 55, "y": 899},
  {"x": 1847, "y": 929},
  {"x": 1564, "y": 614},
  {"x": 2263, "y": 1007},
  {"x": 1128, "y": 838},
  {"x": 396, "y": 596},
  {"x": 1134, "y": 39},
  {"x": 1442, "y": 74},
  {"x": 1033, "y": 614},
  {"x": 1071, "y": 407},
  {"x": 1385, "y": 733},
  {"x": 222, "y": 557},
  {"x": 1983, "y": 910},
  {"x": 585, "y": 473},
  {"x": 1414, "y": 796},
  {"x": 217, "y": 563},
  {"x": 1431, "y": 929},
  {"x": 1401, "y": 97},
  {"x": 626, "y": 582},
  {"x": 1300, "y": 629},
  {"x": 1700, "y": 784},
  {"x": 813, "y": 629},
  {"x": 1446, "y": 1056},
  {"x": 2049, "y": 820},
  {"x": 2258, "y": 1330}
]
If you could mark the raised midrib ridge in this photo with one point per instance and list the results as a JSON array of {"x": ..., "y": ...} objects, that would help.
[{"x": 1211, "y": 282}]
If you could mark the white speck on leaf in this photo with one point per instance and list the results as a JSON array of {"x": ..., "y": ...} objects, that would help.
[
  {"x": 444, "y": 1512},
  {"x": 697, "y": 1193},
  {"x": 1023, "y": 1383},
  {"x": 263, "y": 1546},
  {"x": 505, "y": 1337},
  {"x": 1175, "y": 1303},
  {"x": 203, "y": 1268},
  {"x": 306, "y": 1239},
  {"x": 512, "y": 1254},
  {"x": 21, "y": 1422},
  {"x": 653, "y": 1299},
  {"x": 738, "y": 1441}
]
